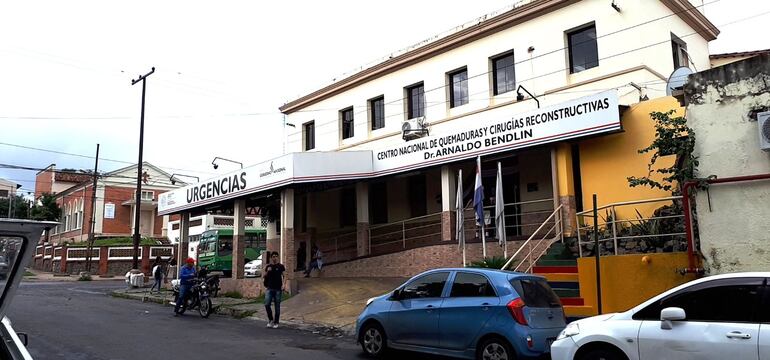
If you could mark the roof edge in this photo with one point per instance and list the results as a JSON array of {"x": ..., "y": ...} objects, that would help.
[{"x": 693, "y": 17}]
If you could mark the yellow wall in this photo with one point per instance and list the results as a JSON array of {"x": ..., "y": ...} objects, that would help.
[
  {"x": 606, "y": 161},
  {"x": 627, "y": 281}
]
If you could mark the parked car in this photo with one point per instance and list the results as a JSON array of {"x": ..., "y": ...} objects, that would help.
[
  {"x": 254, "y": 268},
  {"x": 717, "y": 317},
  {"x": 19, "y": 237},
  {"x": 467, "y": 313}
]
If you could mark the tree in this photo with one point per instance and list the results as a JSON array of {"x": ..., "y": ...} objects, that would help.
[
  {"x": 672, "y": 137},
  {"x": 20, "y": 206},
  {"x": 46, "y": 209}
]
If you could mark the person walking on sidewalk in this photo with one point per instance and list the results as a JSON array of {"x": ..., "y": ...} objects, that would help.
[
  {"x": 275, "y": 283},
  {"x": 157, "y": 273},
  {"x": 316, "y": 261},
  {"x": 186, "y": 281}
]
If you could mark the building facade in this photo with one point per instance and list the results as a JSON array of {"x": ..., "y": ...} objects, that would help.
[
  {"x": 114, "y": 205},
  {"x": 729, "y": 109},
  {"x": 553, "y": 92}
]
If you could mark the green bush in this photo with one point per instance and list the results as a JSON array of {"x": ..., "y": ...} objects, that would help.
[
  {"x": 117, "y": 241},
  {"x": 495, "y": 262}
]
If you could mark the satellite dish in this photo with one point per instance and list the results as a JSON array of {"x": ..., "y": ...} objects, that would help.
[{"x": 677, "y": 80}]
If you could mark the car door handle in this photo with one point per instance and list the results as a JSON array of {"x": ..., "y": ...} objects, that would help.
[
  {"x": 485, "y": 306},
  {"x": 738, "y": 335},
  {"x": 429, "y": 308}
]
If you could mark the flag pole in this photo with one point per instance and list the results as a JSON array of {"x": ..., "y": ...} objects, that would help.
[{"x": 504, "y": 240}]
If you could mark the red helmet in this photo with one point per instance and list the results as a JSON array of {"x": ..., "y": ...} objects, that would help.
[{"x": 190, "y": 261}]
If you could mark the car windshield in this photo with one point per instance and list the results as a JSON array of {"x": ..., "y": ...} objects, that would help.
[{"x": 9, "y": 248}]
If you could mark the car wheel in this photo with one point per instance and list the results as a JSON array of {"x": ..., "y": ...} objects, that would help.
[
  {"x": 495, "y": 349},
  {"x": 373, "y": 340},
  {"x": 602, "y": 354}
]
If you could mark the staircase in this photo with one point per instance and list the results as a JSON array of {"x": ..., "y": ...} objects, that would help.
[{"x": 562, "y": 274}]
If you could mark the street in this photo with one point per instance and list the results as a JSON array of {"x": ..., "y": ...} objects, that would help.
[{"x": 78, "y": 320}]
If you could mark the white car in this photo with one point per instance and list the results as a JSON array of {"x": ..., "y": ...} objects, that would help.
[
  {"x": 253, "y": 268},
  {"x": 718, "y": 317},
  {"x": 18, "y": 239}
]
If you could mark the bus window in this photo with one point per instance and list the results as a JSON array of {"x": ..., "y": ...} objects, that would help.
[{"x": 225, "y": 246}]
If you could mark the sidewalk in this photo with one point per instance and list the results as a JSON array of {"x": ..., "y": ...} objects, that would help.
[
  {"x": 328, "y": 306},
  {"x": 44, "y": 276}
]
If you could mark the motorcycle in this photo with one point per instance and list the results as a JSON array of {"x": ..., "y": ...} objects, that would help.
[
  {"x": 213, "y": 285},
  {"x": 198, "y": 297}
]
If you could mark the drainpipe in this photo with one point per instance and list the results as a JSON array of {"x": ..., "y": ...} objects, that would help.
[{"x": 692, "y": 269}]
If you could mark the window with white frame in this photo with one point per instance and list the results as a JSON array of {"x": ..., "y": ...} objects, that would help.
[{"x": 147, "y": 195}]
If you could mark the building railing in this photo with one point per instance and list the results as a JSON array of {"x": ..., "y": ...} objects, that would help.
[
  {"x": 518, "y": 222},
  {"x": 404, "y": 234},
  {"x": 662, "y": 231},
  {"x": 538, "y": 243}
]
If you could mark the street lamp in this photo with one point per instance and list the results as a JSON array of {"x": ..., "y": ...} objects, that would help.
[
  {"x": 520, "y": 97},
  {"x": 173, "y": 181},
  {"x": 216, "y": 166}
]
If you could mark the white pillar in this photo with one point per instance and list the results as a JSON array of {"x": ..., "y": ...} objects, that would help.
[
  {"x": 239, "y": 232},
  {"x": 287, "y": 251}
]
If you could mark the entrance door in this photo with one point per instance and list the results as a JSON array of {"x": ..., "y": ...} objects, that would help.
[{"x": 145, "y": 223}]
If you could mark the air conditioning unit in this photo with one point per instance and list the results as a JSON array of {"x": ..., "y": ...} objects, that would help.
[
  {"x": 763, "y": 119},
  {"x": 414, "y": 128}
]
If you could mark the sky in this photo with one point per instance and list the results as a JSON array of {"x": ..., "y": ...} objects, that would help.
[{"x": 222, "y": 70}]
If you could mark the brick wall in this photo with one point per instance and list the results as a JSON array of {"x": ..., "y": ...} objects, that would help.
[
  {"x": 251, "y": 287},
  {"x": 412, "y": 262},
  {"x": 121, "y": 224},
  {"x": 158, "y": 230}
]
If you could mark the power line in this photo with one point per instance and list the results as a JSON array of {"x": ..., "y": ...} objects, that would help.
[{"x": 92, "y": 157}]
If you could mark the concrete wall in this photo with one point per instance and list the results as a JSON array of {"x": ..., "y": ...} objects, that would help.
[
  {"x": 607, "y": 161},
  {"x": 628, "y": 281},
  {"x": 548, "y": 72},
  {"x": 733, "y": 227}
]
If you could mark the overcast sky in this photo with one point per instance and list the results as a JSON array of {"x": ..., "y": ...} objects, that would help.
[{"x": 222, "y": 70}]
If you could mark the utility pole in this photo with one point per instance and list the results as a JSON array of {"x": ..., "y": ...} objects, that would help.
[
  {"x": 93, "y": 214},
  {"x": 138, "y": 204}
]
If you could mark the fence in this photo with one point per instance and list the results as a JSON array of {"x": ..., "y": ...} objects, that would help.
[
  {"x": 662, "y": 231},
  {"x": 405, "y": 234},
  {"x": 522, "y": 219},
  {"x": 538, "y": 242},
  {"x": 104, "y": 260}
]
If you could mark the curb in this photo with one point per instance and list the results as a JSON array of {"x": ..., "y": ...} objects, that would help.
[{"x": 253, "y": 315}]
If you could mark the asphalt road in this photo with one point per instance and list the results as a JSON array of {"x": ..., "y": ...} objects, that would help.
[{"x": 79, "y": 321}]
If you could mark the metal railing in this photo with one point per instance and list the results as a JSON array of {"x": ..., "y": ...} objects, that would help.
[
  {"x": 337, "y": 246},
  {"x": 655, "y": 229},
  {"x": 536, "y": 246},
  {"x": 407, "y": 233},
  {"x": 519, "y": 222}
]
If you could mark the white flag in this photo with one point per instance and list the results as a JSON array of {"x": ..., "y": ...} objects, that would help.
[{"x": 500, "y": 207}]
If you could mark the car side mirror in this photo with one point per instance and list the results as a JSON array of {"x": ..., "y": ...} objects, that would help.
[
  {"x": 396, "y": 295},
  {"x": 670, "y": 314}
]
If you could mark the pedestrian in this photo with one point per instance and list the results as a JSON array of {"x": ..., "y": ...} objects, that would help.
[
  {"x": 275, "y": 283},
  {"x": 186, "y": 281},
  {"x": 301, "y": 257},
  {"x": 316, "y": 262},
  {"x": 157, "y": 273},
  {"x": 171, "y": 267}
]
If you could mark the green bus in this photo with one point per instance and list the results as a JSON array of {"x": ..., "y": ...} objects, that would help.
[{"x": 216, "y": 248}]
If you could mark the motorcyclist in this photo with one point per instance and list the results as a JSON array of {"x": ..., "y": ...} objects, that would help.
[{"x": 187, "y": 280}]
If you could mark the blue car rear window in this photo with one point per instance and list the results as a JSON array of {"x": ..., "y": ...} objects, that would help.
[{"x": 536, "y": 293}]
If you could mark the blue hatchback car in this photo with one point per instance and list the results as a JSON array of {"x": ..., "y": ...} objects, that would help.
[{"x": 467, "y": 313}]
